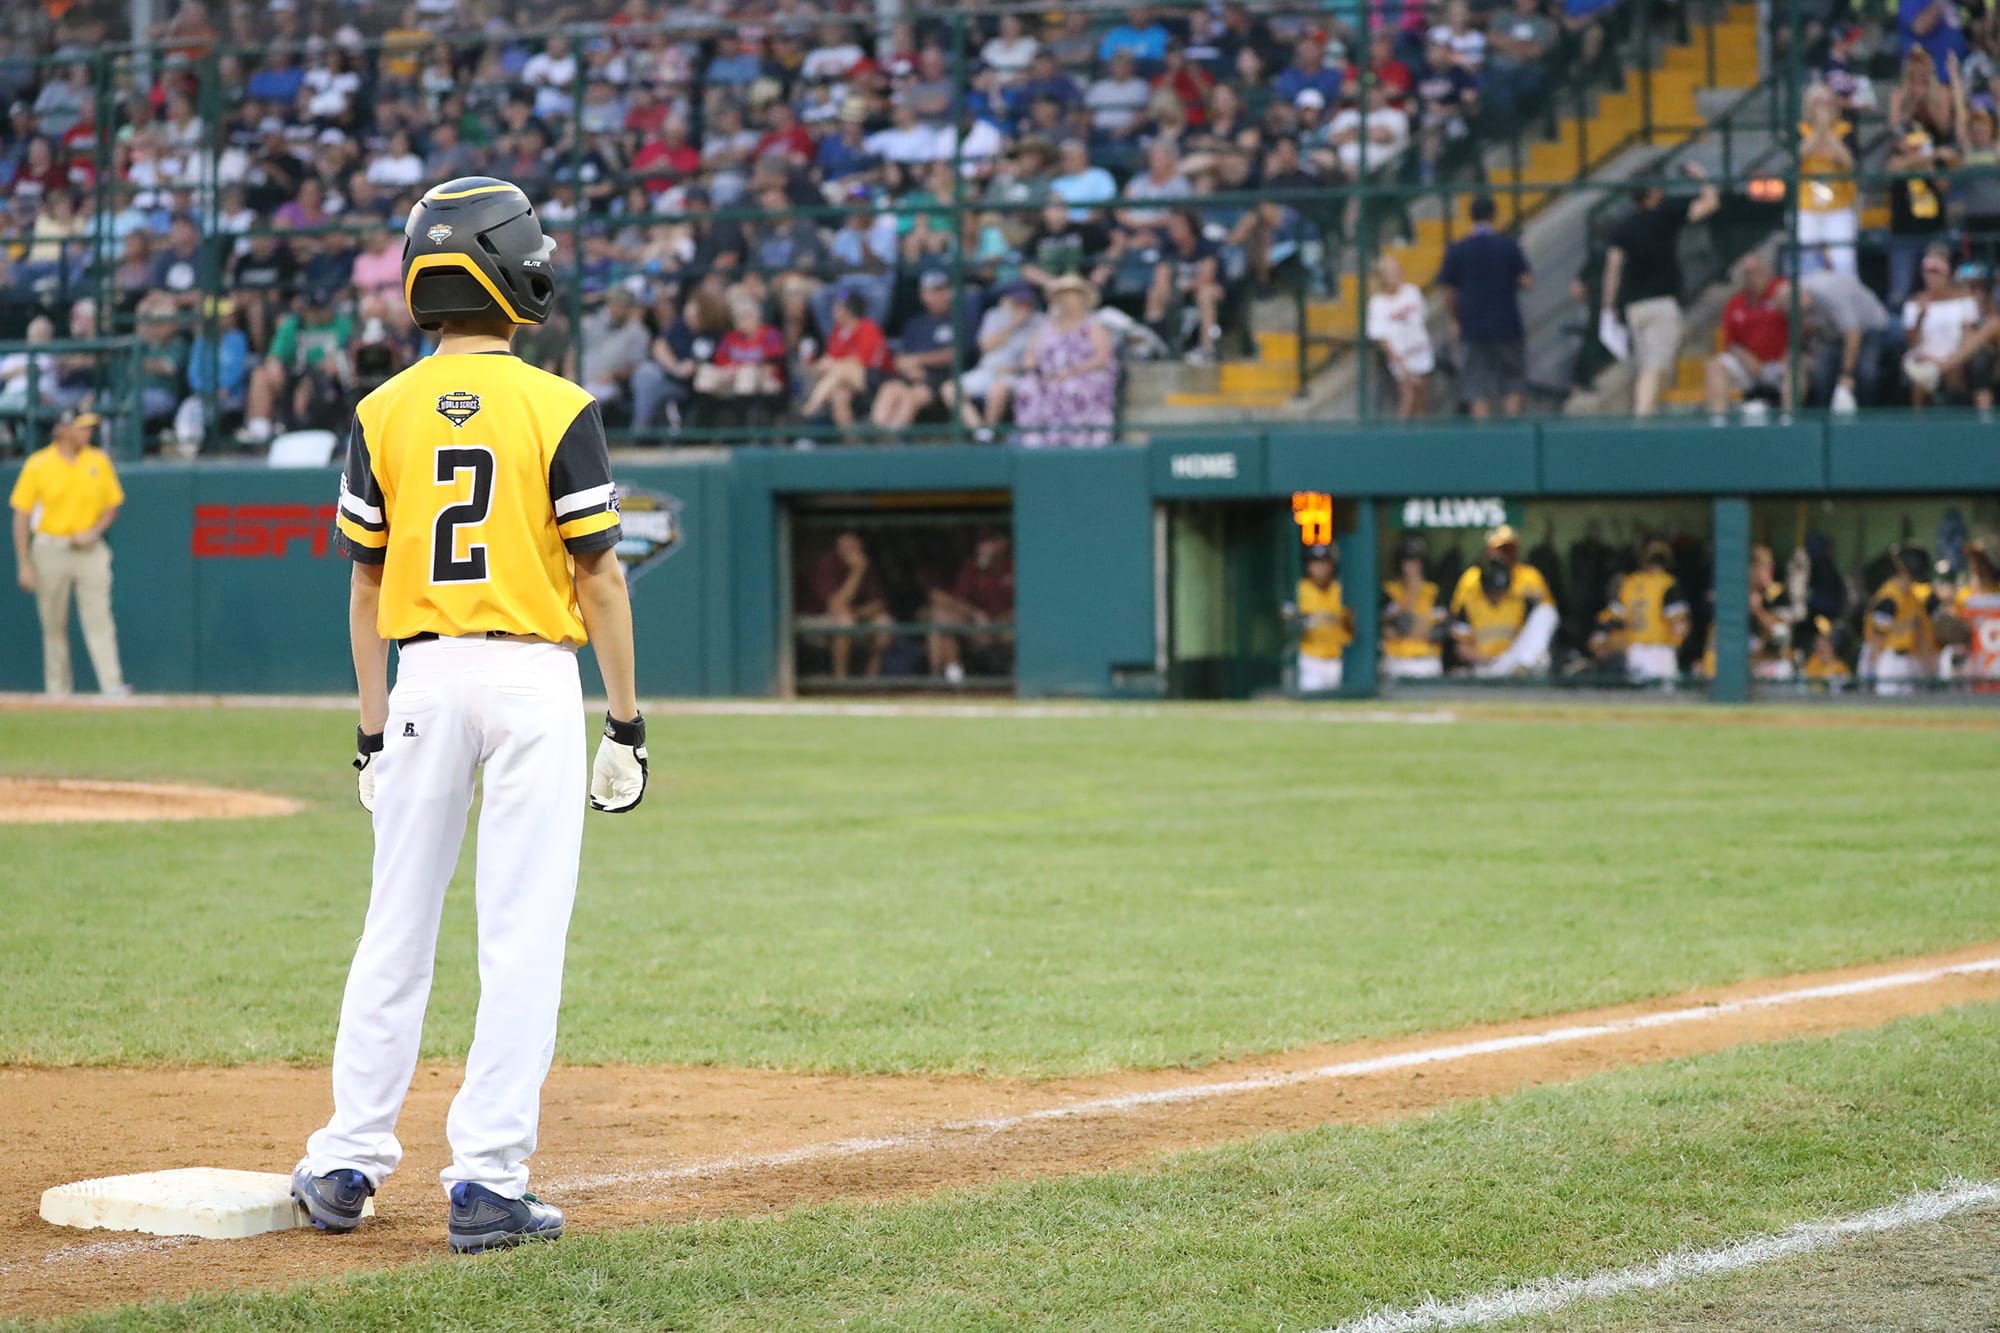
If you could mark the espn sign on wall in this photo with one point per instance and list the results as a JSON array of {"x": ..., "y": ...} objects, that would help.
[{"x": 651, "y": 520}]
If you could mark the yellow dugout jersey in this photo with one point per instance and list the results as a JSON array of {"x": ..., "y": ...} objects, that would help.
[
  {"x": 1649, "y": 609},
  {"x": 1491, "y": 625},
  {"x": 67, "y": 495},
  {"x": 471, "y": 479},
  {"x": 1899, "y": 618},
  {"x": 1324, "y": 616},
  {"x": 1410, "y": 621}
]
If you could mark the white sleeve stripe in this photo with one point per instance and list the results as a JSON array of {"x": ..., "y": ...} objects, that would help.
[
  {"x": 367, "y": 513},
  {"x": 584, "y": 499}
]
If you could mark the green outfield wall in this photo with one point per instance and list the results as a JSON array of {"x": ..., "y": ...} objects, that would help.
[{"x": 226, "y": 580}]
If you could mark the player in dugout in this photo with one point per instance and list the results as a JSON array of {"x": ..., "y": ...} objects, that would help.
[
  {"x": 1325, "y": 624},
  {"x": 1901, "y": 647},
  {"x": 1502, "y": 614},
  {"x": 1412, "y": 618},
  {"x": 1647, "y": 618}
]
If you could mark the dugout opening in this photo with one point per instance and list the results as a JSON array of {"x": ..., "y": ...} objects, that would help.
[
  {"x": 1225, "y": 569},
  {"x": 897, "y": 592}
]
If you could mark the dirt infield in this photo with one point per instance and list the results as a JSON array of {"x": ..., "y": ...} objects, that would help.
[
  {"x": 78, "y": 800},
  {"x": 624, "y": 1146}
]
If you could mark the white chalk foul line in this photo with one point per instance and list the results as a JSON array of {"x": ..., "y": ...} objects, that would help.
[
  {"x": 1553, "y": 1294},
  {"x": 1194, "y": 1092}
]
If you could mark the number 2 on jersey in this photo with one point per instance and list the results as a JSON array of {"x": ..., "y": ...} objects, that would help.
[{"x": 452, "y": 460}]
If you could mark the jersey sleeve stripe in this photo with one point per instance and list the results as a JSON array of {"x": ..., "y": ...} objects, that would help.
[
  {"x": 589, "y": 498},
  {"x": 360, "y": 555},
  {"x": 360, "y": 535},
  {"x": 584, "y": 525},
  {"x": 367, "y": 515}
]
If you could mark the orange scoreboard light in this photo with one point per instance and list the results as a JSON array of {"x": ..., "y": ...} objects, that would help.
[{"x": 1313, "y": 512}]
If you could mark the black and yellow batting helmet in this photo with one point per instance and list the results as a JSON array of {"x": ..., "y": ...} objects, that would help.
[{"x": 473, "y": 249}]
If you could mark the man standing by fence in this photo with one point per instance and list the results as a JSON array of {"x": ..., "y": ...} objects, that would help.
[{"x": 64, "y": 500}]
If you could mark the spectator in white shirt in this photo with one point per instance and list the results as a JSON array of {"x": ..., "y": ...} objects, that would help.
[
  {"x": 908, "y": 140},
  {"x": 1117, "y": 102},
  {"x": 835, "y": 55},
  {"x": 1937, "y": 318},
  {"x": 399, "y": 166},
  {"x": 1467, "y": 43},
  {"x": 1398, "y": 324},
  {"x": 552, "y": 74},
  {"x": 1387, "y": 129},
  {"x": 1010, "y": 53}
]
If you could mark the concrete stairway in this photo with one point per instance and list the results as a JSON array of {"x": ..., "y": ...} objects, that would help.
[{"x": 1333, "y": 323}]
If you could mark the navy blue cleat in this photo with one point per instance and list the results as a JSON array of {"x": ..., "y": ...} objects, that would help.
[
  {"x": 333, "y": 1201},
  {"x": 482, "y": 1220}
]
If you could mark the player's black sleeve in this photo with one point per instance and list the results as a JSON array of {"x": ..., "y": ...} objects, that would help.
[
  {"x": 580, "y": 486},
  {"x": 1674, "y": 602},
  {"x": 361, "y": 527}
]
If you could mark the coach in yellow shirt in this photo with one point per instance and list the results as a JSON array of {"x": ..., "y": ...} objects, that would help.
[
  {"x": 65, "y": 499},
  {"x": 1325, "y": 626}
]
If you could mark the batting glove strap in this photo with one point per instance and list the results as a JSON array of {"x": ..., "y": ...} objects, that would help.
[
  {"x": 631, "y": 733},
  {"x": 367, "y": 744}
]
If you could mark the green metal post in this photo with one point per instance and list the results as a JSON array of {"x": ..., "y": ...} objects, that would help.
[
  {"x": 1790, "y": 129},
  {"x": 1359, "y": 580},
  {"x": 959, "y": 103},
  {"x": 578, "y": 86},
  {"x": 1732, "y": 601}
]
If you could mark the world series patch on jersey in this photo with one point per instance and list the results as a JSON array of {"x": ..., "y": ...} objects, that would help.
[{"x": 472, "y": 479}]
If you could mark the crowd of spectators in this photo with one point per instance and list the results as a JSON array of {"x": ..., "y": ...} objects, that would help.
[{"x": 736, "y": 189}]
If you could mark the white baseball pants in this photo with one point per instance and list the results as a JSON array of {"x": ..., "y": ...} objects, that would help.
[
  {"x": 1318, "y": 674},
  {"x": 1412, "y": 668},
  {"x": 458, "y": 704},
  {"x": 1652, "y": 661}
]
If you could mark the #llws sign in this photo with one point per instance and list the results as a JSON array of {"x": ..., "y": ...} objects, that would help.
[{"x": 1459, "y": 512}]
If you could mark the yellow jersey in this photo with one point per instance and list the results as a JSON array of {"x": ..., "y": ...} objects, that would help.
[
  {"x": 1649, "y": 609},
  {"x": 1827, "y": 670},
  {"x": 1899, "y": 619},
  {"x": 1410, "y": 621},
  {"x": 472, "y": 479},
  {"x": 1823, "y": 186},
  {"x": 65, "y": 496},
  {"x": 1324, "y": 616},
  {"x": 1485, "y": 628}
]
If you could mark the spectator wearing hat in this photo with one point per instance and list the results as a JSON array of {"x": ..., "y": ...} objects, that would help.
[
  {"x": 1901, "y": 645},
  {"x": 1187, "y": 278},
  {"x": 932, "y": 345},
  {"x": 1399, "y": 327},
  {"x": 1325, "y": 624},
  {"x": 1939, "y": 320},
  {"x": 1413, "y": 618},
  {"x": 1067, "y": 392},
  {"x": 1483, "y": 275},
  {"x": 1642, "y": 274},
  {"x": 65, "y": 499},
  {"x": 1847, "y": 331},
  {"x": 1756, "y": 342},
  {"x": 1004, "y": 334}
]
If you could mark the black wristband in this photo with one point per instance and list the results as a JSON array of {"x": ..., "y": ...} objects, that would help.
[
  {"x": 367, "y": 742},
  {"x": 631, "y": 733}
]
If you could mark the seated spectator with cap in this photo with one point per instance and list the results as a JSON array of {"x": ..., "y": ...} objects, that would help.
[
  {"x": 1005, "y": 331},
  {"x": 1756, "y": 342},
  {"x": 932, "y": 345},
  {"x": 1325, "y": 624},
  {"x": 615, "y": 343}
]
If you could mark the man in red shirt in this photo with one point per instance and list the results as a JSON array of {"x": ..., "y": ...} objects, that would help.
[
  {"x": 1756, "y": 340},
  {"x": 983, "y": 594},
  {"x": 852, "y": 368}
]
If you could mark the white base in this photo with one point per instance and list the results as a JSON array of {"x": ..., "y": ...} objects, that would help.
[{"x": 195, "y": 1201}]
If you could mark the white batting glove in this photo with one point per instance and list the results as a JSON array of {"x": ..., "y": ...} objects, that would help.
[
  {"x": 366, "y": 746},
  {"x": 618, "y": 778}
]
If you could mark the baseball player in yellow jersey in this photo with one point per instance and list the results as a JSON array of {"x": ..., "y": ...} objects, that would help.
[
  {"x": 1412, "y": 619},
  {"x": 1901, "y": 646},
  {"x": 1502, "y": 614},
  {"x": 478, "y": 508},
  {"x": 1649, "y": 617},
  {"x": 1326, "y": 626},
  {"x": 64, "y": 501}
]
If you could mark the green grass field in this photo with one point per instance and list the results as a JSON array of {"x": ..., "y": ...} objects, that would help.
[{"x": 1064, "y": 895}]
